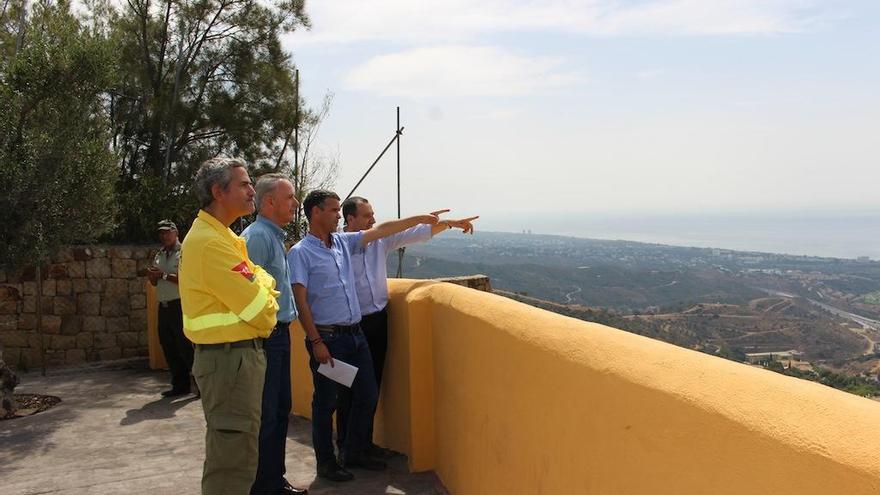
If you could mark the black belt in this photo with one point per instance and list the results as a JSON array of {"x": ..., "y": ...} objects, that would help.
[
  {"x": 256, "y": 343},
  {"x": 339, "y": 328},
  {"x": 167, "y": 304}
]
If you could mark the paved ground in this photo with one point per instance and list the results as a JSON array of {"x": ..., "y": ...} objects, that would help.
[{"x": 113, "y": 434}]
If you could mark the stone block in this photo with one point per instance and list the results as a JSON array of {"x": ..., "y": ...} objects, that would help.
[
  {"x": 82, "y": 253},
  {"x": 99, "y": 252},
  {"x": 105, "y": 340},
  {"x": 88, "y": 304},
  {"x": 34, "y": 341},
  {"x": 54, "y": 358},
  {"x": 29, "y": 304},
  {"x": 63, "y": 287},
  {"x": 115, "y": 287},
  {"x": 3, "y": 276},
  {"x": 76, "y": 269},
  {"x": 110, "y": 354},
  {"x": 12, "y": 356},
  {"x": 28, "y": 288},
  {"x": 143, "y": 339},
  {"x": 64, "y": 255},
  {"x": 134, "y": 352},
  {"x": 127, "y": 339},
  {"x": 95, "y": 285},
  {"x": 97, "y": 324},
  {"x": 51, "y": 324},
  {"x": 123, "y": 268},
  {"x": 8, "y": 322},
  {"x": 117, "y": 325},
  {"x": 9, "y": 293},
  {"x": 138, "y": 301},
  {"x": 62, "y": 342},
  {"x": 27, "y": 321},
  {"x": 122, "y": 252},
  {"x": 75, "y": 356},
  {"x": 14, "y": 339},
  {"x": 85, "y": 340},
  {"x": 115, "y": 305},
  {"x": 64, "y": 305},
  {"x": 137, "y": 322},
  {"x": 58, "y": 271},
  {"x": 71, "y": 324},
  {"x": 136, "y": 286},
  {"x": 48, "y": 287},
  {"x": 8, "y": 307},
  {"x": 140, "y": 253},
  {"x": 29, "y": 358},
  {"x": 98, "y": 268},
  {"x": 78, "y": 286}
]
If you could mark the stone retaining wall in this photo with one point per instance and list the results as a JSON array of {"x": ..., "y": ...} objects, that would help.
[{"x": 94, "y": 308}]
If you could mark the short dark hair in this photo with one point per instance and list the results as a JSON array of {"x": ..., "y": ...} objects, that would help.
[
  {"x": 316, "y": 198},
  {"x": 350, "y": 207}
]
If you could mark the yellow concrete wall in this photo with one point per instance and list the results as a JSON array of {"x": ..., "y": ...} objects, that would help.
[
  {"x": 501, "y": 397},
  {"x": 154, "y": 348}
]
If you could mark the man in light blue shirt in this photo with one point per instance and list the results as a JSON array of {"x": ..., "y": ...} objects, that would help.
[
  {"x": 276, "y": 206},
  {"x": 369, "y": 263},
  {"x": 325, "y": 293}
]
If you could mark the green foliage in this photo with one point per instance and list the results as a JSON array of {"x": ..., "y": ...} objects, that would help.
[
  {"x": 197, "y": 78},
  {"x": 57, "y": 169},
  {"x": 853, "y": 384}
]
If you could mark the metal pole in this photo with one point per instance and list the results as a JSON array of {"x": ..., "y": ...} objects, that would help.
[
  {"x": 396, "y": 136},
  {"x": 400, "y": 251}
]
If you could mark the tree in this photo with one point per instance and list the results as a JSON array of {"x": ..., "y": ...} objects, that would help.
[
  {"x": 57, "y": 169},
  {"x": 198, "y": 78},
  {"x": 314, "y": 169}
]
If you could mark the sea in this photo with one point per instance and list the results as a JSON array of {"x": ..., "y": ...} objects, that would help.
[{"x": 834, "y": 235}]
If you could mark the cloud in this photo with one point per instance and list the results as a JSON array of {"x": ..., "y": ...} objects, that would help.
[
  {"x": 456, "y": 21},
  {"x": 458, "y": 70}
]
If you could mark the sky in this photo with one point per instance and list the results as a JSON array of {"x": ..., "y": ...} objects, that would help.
[{"x": 599, "y": 108}]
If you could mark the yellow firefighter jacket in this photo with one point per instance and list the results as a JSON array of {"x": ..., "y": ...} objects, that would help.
[{"x": 224, "y": 296}]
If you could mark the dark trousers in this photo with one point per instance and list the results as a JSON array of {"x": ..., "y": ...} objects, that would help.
[
  {"x": 275, "y": 415},
  {"x": 351, "y": 348},
  {"x": 177, "y": 348},
  {"x": 375, "y": 328}
]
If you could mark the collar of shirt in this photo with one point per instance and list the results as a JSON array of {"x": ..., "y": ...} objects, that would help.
[
  {"x": 272, "y": 226},
  {"x": 216, "y": 225},
  {"x": 175, "y": 248}
]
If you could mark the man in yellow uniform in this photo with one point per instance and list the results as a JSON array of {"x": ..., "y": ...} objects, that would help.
[{"x": 229, "y": 307}]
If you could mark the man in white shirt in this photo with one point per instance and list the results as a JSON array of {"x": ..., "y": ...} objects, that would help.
[{"x": 369, "y": 265}]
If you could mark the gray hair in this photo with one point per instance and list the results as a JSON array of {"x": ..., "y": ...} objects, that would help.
[
  {"x": 215, "y": 171},
  {"x": 266, "y": 184}
]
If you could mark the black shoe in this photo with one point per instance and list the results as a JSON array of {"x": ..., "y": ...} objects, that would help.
[
  {"x": 289, "y": 489},
  {"x": 378, "y": 452},
  {"x": 334, "y": 472},
  {"x": 364, "y": 461},
  {"x": 175, "y": 392}
]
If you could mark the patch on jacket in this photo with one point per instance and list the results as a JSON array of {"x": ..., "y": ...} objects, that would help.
[{"x": 243, "y": 269}]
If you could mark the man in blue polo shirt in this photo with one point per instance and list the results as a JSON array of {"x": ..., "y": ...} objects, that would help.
[
  {"x": 276, "y": 205},
  {"x": 325, "y": 292},
  {"x": 371, "y": 279}
]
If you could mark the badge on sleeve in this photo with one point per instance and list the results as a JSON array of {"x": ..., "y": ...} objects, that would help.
[{"x": 243, "y": 269}]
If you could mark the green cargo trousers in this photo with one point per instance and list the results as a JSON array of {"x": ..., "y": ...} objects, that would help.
[{"x": 231, "y": 383}]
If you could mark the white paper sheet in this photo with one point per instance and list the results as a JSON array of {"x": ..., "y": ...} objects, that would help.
[{"x": 341, "y": 372}]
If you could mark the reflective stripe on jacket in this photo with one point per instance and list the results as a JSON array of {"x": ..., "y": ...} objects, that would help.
[{"x": 224, "y": 296}]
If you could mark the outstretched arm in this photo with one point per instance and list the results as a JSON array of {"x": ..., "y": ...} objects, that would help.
[
  {"x": 464, "y": 224},
  {"x": 392, "y": 227}
]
